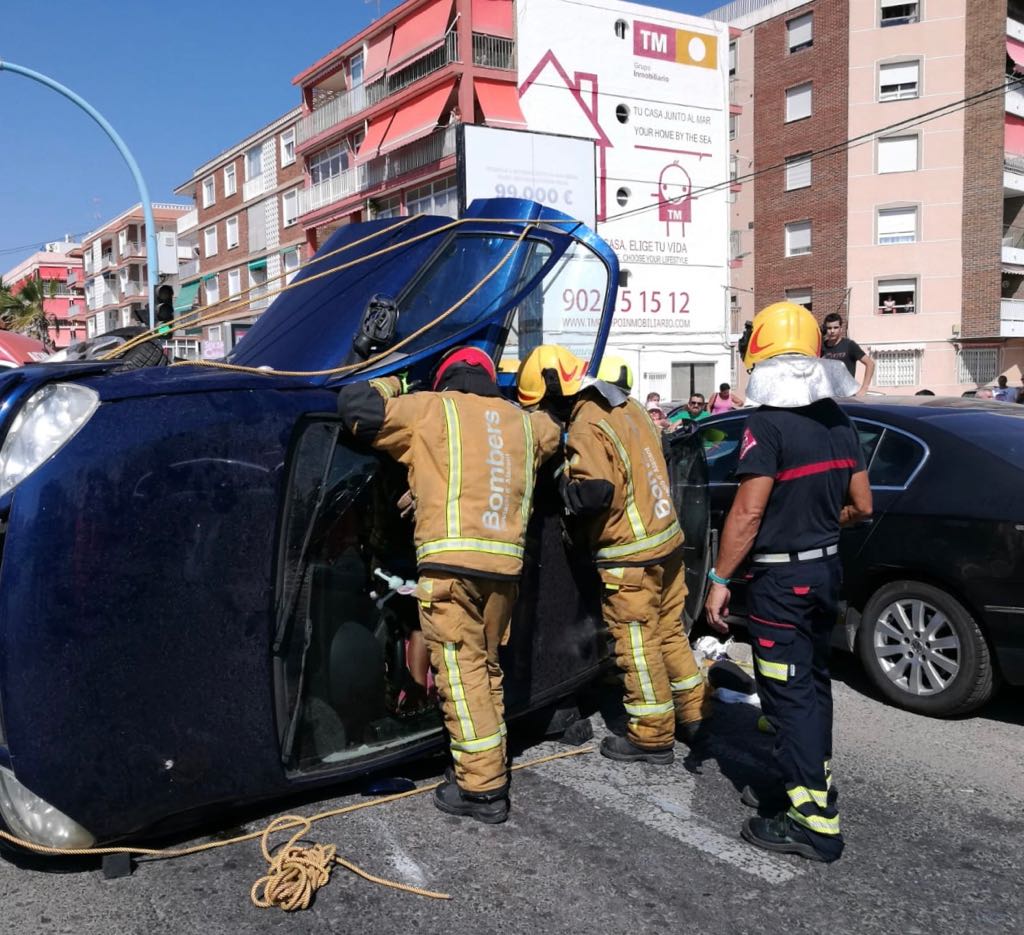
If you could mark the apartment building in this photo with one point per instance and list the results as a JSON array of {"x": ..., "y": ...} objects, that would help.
[
  {"x": 881, "y": 166},
  {"x": 59, "y": 266},
  {"x": 377, "y": 133},
  {"x": 242, "y": 238},
  {"x": 116, "y": 270}
]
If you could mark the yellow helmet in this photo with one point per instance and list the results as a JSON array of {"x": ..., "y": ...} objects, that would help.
[
  {"x": 782, "y": 328},
  {"x": 616, "y": 371},
  {"x": 549, "y": 370}
]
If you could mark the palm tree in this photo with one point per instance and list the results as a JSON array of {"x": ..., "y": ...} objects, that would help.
[{"x": 25, "y": 311}]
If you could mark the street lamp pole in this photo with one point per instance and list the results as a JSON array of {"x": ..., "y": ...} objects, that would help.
[{"x": 147, "y": 208}]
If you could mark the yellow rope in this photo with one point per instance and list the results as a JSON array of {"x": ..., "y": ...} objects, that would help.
[{"x": 295, "y": 873}]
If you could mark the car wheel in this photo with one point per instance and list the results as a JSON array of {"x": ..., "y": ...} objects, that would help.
[
  {"x": 923, "y": 651},
  {"x": 147, "y": 354}
]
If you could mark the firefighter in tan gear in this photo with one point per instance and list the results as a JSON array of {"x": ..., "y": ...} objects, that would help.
[
  {"x": 616, "y": 481},
  {"x": 472, "y": 458}
]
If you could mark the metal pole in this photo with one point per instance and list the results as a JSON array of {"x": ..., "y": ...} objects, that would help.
[{"x": 147, "y": 208}]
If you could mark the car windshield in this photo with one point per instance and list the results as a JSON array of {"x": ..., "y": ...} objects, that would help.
[{"x": 999, "y": 433}]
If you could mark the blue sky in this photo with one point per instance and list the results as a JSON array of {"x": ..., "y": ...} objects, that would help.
[{"x": 179, "y": 81}]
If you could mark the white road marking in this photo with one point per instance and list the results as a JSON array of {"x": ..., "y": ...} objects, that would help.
[{"x": 627, "y": 787}]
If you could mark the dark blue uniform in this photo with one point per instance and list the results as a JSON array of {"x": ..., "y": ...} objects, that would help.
[{"x": 810, "y": 453}]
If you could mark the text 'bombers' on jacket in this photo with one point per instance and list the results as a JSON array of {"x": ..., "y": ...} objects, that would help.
[
  {"x": 472, "y": 458},
  {"x": 619, "y": 445}
]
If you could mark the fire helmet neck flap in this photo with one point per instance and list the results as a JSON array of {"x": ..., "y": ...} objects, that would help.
[{"x": 468, "y": 356}]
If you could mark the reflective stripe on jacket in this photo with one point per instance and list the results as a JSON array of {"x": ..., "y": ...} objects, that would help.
[
  {"x": 472, "y": 462},
  {"x": 621, "y": 444}
]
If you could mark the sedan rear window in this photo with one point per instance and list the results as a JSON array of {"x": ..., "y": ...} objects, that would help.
[{"x": 895, "y": 460}]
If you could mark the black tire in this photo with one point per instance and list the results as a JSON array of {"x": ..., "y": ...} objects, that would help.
[
  {"x": 968, "y": 688},
  {"x": 148, "y": 354}
]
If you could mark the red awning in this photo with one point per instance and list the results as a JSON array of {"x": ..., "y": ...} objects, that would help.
[
  {"x": 377, "y": 50},
  {"x": 420, "y": 32},
  {"x": 499, "y": 101},
  {"x": 494, "y": 18},
  {"x": 417, "y": 117},
  {"x": 1015, "y": 50},
  {"x": 374, "y": 136}
]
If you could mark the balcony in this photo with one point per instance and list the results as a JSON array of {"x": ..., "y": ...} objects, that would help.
[
  {"x": 87, "y": 264},
  {"x": 188, "y": 220},
  {"x": 253, "y": 187},
  {"x": 1011, "y": 318},
  {"x": 101, "y": 296},
  {"x": 494, "y": 52},
  {"x": 133, "y": 248},
  {"x": 188, "y": 269},
  {"x": 369, "y": 175},
  {"x": 1013, "y": 175},
  {"x": 339, "y": 107},
  {"x": 1015, "y": 100},
  {"x": 133, "y": 287},
  {"x": 1013, "y": 245},
  {"x": 106, "y": 260}
]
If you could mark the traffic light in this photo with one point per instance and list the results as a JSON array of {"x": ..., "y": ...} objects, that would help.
[{"x": 164, "y": 303}]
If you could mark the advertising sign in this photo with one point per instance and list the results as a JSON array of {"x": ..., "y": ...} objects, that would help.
[
  {"x": 650, "y": 88},
  {"x": 557, "y": 171}
]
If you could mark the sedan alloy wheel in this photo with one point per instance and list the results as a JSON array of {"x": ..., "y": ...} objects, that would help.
[{"x": 916, "y": 646}]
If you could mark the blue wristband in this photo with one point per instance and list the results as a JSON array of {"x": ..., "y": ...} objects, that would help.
[{"x": 717, "y": 578}]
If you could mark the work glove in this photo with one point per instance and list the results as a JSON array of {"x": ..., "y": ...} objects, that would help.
[{"x": 586, "y": 497}]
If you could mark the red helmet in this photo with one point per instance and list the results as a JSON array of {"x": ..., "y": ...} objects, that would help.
[{"x": 469, "y": 355}]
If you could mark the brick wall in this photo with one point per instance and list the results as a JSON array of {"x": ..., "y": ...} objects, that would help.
[
  {"x": 984, "y": 54},
  {"x": 824, "y": 202}
]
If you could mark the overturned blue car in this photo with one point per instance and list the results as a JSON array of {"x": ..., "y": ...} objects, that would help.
[{"x": 203, "y": 581}]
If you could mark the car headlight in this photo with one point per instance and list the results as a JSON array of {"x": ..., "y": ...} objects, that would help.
[
  {"x": 32, "y": 819},
  {"x": 49, "y": 418}
]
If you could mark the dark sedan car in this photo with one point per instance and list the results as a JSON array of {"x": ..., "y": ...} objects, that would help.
[
  {"x": 934, "y": 582},
  {"x": 204, "y": 583}
]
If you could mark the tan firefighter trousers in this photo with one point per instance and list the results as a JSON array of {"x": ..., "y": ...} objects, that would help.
[
  {"x": 464, "y": 620},
  {"x": 643, "y": 610}
]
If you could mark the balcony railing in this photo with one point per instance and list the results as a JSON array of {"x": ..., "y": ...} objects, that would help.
[
  {"x": 1011, "y": 318},
  {"x": 102, "y": 296},
  {"x": 87, "y": 264},
  {"x": 494, "y": 52},
  {"x": 360, "y": 178},
  {"x": 133, "y": 287},
  {"x": 133, "y": 248},
  {"x": 252, "y": 188},
  {"x": 107, "y": 260},
  {"x": 188, "y": 269},
  {"x": 340, "y": 107},
  {"x": 188, "y": 220}
]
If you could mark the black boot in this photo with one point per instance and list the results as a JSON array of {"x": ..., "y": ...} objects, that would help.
[
  {"x": 619, "y": 748},
  {"x": 784, "y": 836},
  {"x": 489, "y": 807},
  {"x": 774, "y": 798}
]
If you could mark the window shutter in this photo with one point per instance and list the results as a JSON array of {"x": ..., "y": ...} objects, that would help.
[
  {"x": 899, "y": 73},
  {"x": 893, "y": 222},
  {"x": 798, "y": 172},
  {"x": 798, "y": 102},
  {"x": 897, "y": 154},
  {"x": 799, "y": 30}
]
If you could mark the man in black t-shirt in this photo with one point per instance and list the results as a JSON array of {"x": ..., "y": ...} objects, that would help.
[
  {"x": 802, "y": 476},
  {"x": 836, "y": 347}
]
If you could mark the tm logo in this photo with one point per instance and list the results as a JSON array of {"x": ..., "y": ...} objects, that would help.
[{"x": 653, "y": 41}]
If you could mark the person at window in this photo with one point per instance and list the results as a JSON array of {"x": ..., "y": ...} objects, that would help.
[
  {"x": 725, "y": 400},
  {"x": 616, "y": 485},
  {"x": 693, "y": 411},
  {"x": 472, "y": 458},
  {"x": 801, "y": 477},
  {"x": 1002, "y": 392},
  {"x": 888, "y": 305},
  {"x": 652, "y": 399},
  {"x": 837, "y": 347}
]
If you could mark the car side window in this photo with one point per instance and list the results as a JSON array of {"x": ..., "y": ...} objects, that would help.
[
  {"x": 895, "y": 460},
  {"x": 869, "y": 436},
  {"x": 721, "y": 448}
]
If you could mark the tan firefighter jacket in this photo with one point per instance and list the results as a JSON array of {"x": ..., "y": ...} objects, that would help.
[
  {"x": 621, "y": 445},
  {"x": 472, "y": 462}
]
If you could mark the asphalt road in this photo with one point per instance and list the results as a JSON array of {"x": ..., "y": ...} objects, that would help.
[{"x": 933, "y": 812}]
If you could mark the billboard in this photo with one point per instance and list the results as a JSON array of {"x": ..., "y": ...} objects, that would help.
[
  {"x": 650, "y": 88},
  {"x": 557, "y": 171}
]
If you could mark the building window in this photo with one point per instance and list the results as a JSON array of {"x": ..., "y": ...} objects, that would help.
[
  {"x": 897, "y": 296},
  {"x": 897, "y": 14},
  {"x": 355, "y": 70},
  {"x": 732, "y": 58},
  {"x": 209, "y": 192},
  {"x": 896, "y": 367},
  {"x": 231, "y": 232},
  {"x": 291, "y": 261},
  {"x": 212, "y": 287},
  {"x": 328, "y": 164},
  {"x": 798, "y": 171},
  {"x": 210, "y": 240},
  {"x": 234, "y": 282},
  {"x": 732, "y": 126},
  {"x": 439, "y": 197},
  {"x": 800, "y": 297},
  {"x": 800, "y": 32},
  {"x": 254, "y": 163},
  {"x": 798, "y": 238},
  {"x": 898, "y": 81},
  {"x": 897, "y": 225},
  {"x": 230, "y": 180},
  {"x": 977, "y": 365},
  {"x": 897, "y": 154},
  {"x": 288, "y": 147},
  {"x": 290, "y": 207},
  {"x": 389, "y": 207},
  {"x": 257, "y": 221},
  {"x": 734, "y": 245},
  {"x": 798, "y": 102}
]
